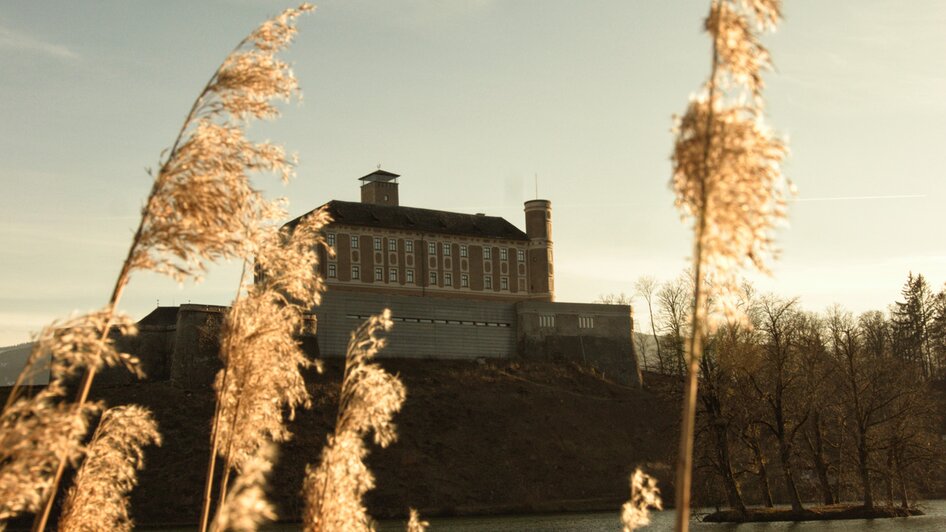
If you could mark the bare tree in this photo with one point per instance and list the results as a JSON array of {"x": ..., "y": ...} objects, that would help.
[
  {"x": 776, "y": 381},
  {"x": 674, "y": 300},
  {"x": 645, "y": 287},
  {"x": 818, "y": 375}
]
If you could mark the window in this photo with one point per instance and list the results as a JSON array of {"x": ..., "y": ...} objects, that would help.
[
  {"x": 463, "y": 250},
  {"x": 503, "y": 254},
  {"x": 547, "y": 321},
  {"x": 586, "y": 322},
  {"x": 504, "y": 283},
  {"x": 410, "y": 276},
  {"x": 355, "y": 274},
  {"x": 377, "y": 243},
  {"x": 487, "y": 252},
  {"x": 446, "y": 249},
  {"x": 330, "y": 238},
  {"x": 464, "y": 280},
  {"x": 392, "y": 244},
  {"x": 488, "y": 282},
  {"x": 448, "y": 279},
  {"x": 520, "y": 255},
  {"x": 331, "y": 271},
  {"x": 392, "y": 275},
  {"x": 433, "y": 278},
  {"x": 409, "y": 246},
  {"x": 431, "y": 248},
  {"x": 354, "y": 242},
  {"x": 379, "y": 274}
]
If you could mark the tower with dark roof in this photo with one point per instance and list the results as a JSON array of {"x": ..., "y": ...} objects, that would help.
[{"x": 379, "y": 188}]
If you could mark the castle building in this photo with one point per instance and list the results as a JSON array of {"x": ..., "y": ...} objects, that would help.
[
  {"x": 459, "y": 286},
  {"x": 381, "y": 246}
]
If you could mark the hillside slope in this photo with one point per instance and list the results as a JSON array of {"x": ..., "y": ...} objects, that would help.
[{"x": 474, "y": 438}]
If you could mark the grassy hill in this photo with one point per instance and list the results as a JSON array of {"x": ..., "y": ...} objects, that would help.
[{"x": 494, "y": 437}]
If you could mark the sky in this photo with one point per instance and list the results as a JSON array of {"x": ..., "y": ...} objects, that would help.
[{"x": 476, "y": 103}]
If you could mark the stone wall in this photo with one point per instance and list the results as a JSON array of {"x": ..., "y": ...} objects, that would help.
[
  {"x": 182, "y": 344},
  {"x": 594, "y": 335},
  {"x": 424, "y": 327},
  {"x": 196, "y": 358}
]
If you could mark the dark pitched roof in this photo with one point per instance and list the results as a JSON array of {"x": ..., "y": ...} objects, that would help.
[
  {"x": 420, "y": 220},
  {"x": 379, "y": 175}
]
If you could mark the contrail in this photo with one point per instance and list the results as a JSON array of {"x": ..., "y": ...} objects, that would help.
[{"x": 851, "y": 198}]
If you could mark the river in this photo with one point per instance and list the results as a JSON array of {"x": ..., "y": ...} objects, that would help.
[{"x": 933, "y": 521}]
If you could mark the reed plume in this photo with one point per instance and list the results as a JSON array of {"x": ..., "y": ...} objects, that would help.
[
  {"x": 246, "y": 507},
  {"x": 644, "y": 495},
  {"x": 368, "y": 399},
  {"x": 99, "y": 498},
  {"x": 261, "y": 377},
  {"x": 39, "y": 432},
  {"x": 201, "y": 206},
  {"x": 415, "y": 524},
  {"x": 36, "y": 433},
  {"x": 727, "y": 177}
]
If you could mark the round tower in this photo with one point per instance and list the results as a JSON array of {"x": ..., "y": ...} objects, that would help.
[{"x": 539, "y": 230}]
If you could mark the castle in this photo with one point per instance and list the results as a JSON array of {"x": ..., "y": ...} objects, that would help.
[{"x": 459, "y": 286}]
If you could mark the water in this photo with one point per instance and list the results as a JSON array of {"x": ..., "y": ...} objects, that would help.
[{"x": 933, "y": 521}]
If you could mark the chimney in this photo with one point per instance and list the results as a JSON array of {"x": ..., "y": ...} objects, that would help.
[{"x": 379, "y": 188}]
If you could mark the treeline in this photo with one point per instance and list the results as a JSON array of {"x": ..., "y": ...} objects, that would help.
[{"x": 798, "y": 405}]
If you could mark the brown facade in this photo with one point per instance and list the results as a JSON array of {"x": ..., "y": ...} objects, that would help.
[
  {"x": 380, "y": 245},
  {"x": 408, "y": 272}
]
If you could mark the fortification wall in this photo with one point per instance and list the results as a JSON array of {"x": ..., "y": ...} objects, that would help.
[
  {"x": 591, "y": 334},
  {"x": 196, "y": 355},
  {"x": 183, "y": 344},
  {"x": 424, "y": 327}
]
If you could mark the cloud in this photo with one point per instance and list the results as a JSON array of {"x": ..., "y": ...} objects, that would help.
[{"x": 15, "y": 40}]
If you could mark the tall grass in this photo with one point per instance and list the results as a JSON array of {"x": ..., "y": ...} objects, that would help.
[
  {"x": 262, "y": 361},
  {"x": 201, "y": 208},
  {"x": 727, "y": 178},
  {"x": 368, "y": 400},
  {"x": 99, "y": 498}
]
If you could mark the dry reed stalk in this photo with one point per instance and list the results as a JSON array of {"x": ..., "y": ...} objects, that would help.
[
  {"x": 35, "y": 434},
  {"x": 99, "y": 498},
  {"x": 727, "y": 177},
  {"x": 415, "y": 524},
  {"x": 261, "y": 377},
  {"x": 368, "y": 399},
  {"x": 39, "y": 433},
  {"x": 245, "y": 507},
  {"x": 201, "y": 206},
  {"x": 644, "y": 495}
]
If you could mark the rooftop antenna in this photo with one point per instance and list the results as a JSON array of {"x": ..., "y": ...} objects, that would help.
[
  {"x": 379, "y": 166},
  {"x": 536, "y": 185}
]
